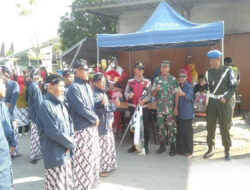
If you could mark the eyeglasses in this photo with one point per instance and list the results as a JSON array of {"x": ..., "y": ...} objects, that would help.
[{"x": 182, "y": 76}]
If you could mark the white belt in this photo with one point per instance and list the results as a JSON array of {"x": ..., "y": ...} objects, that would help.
[{"x": 216, "y": 96}]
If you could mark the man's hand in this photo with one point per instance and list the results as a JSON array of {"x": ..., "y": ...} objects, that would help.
[
  {"x": 67, "y": 151},
  {"x": 175, "y": 111},
  {"x": 181, "y": 93},
  {"x": 131, "y": 95},
  {"x": 142, "y": 102},
  {"x": 158, "y": 87},
  {"x": 223, "y": 100},
  {"x": 97, "y": 122},
  {"x": 8, "y": 105},
  {"x": 104, "y": 100},
  {"x": 117, "y": 102}
]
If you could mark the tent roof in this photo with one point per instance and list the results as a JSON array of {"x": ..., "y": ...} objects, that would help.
[
  {"x": 87, "y": 51},
  {"x": 165, "y": 28}
]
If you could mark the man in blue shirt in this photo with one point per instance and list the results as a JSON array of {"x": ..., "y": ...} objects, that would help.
[
  {"x": 56, "y": 136},
  {"x": 35, "y": 99},
  {"x": 81, "y": 105},
  {"x": 12, "y": 92},
  {"x": 5, "y": 131}
]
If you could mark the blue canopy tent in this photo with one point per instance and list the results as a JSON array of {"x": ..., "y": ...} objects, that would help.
[{"x": 164, "y": 29}]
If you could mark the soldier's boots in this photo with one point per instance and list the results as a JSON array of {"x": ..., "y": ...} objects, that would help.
[
  {"x": 172, "y": 149},
  {"x": 131, "y": 149},
  {"x": 227, "y": 154},
  {"x": 210, "y": 152},
  {"x": 161, "y": 149}
]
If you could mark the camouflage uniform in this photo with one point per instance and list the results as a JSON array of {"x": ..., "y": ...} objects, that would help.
[{"x": 165, "y": 107}]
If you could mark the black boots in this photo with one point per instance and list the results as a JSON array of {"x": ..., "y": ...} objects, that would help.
[
  {"x": 161, "y": 149},
  {"x": 227, "y": 154},
  {"x": 210, "y": 152},
  {"x": 172, "y": 149}
]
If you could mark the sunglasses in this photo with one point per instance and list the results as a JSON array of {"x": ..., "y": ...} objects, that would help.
[{"x": 182, "y": 76}]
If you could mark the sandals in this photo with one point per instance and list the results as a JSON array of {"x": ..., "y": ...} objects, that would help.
[{"x": 103, "y": 174}]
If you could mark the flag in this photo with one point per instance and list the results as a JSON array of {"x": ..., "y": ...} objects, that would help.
[{"x": 137, "y": 126}]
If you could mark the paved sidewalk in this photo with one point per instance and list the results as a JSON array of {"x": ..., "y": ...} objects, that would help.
[{"x": 160, "y": 172}]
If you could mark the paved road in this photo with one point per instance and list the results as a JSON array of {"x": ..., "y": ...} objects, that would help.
[{"x": 153, "y": 172}]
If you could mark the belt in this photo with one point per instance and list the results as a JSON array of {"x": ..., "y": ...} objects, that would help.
[{"x": 216, "y": 96}]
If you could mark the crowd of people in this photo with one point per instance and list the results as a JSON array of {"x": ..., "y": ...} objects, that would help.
[{"x": 71, "y": 120}]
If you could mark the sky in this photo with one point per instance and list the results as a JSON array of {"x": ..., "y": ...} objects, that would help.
[{"x": 44, "y": 22}]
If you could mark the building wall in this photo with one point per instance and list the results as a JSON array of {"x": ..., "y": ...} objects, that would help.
[
  {"x": 236, "y": 46},
  {"x": 235, "y": 15},
  {"x": 133, "y": 21}
]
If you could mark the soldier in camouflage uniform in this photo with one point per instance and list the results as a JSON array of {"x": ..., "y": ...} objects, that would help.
[
  {"x": 222, "y": 85},
  {"x": 164, "y": 88}
]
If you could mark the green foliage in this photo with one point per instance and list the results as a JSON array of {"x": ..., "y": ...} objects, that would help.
[
  {"x": 9, "y": 53},
  {"x": 25, "y": 7},
  {"x": 79, "y": 25}
]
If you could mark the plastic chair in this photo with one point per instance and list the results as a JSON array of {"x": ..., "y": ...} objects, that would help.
[{"x": 239, "y": 104}]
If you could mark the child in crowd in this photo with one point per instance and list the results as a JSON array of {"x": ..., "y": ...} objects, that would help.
[
  {"x": 115, "y": 92},
  {"x": 200, "y": 99}
]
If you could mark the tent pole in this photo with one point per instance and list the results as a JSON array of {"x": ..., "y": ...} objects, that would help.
[
  {"x": 222, "y": 49},
  {"x": 97, "y": 61},
  {"x": 129, "y": 61},
  {"x": 75, "y": 56}
]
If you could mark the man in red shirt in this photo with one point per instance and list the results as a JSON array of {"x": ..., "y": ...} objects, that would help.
[{"x": 133, "y": 92}]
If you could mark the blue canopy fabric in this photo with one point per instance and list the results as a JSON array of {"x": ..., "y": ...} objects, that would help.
[{"x": 164, "y": 29}]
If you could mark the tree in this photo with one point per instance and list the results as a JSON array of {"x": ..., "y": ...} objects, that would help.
[
  {"x": 78, "y": 25},
  {"x": 26, "y": 8}
]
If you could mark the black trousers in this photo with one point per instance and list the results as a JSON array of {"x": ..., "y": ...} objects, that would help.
[
  {"x": 184, "y": 136},
  {"x": 146, "y": 116}
]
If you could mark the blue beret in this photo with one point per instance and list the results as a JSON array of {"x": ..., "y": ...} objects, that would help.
[{"x": 214, "y": 54}]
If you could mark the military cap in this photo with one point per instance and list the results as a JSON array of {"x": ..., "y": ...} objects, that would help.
[
  {"x": 81, "y": 63},
  {"x": 97, "y": 77},
  {"x": 165, "y": 63},
  {"x": 214, "y": 54},
  {"x": 139, "y": 65},
  {"x": 6, "y": 71}
]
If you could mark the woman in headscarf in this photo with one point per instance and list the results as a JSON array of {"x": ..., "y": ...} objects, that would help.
[
  {"x": 105, "y": 110},
  {"x": 22, "y": 107}
]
